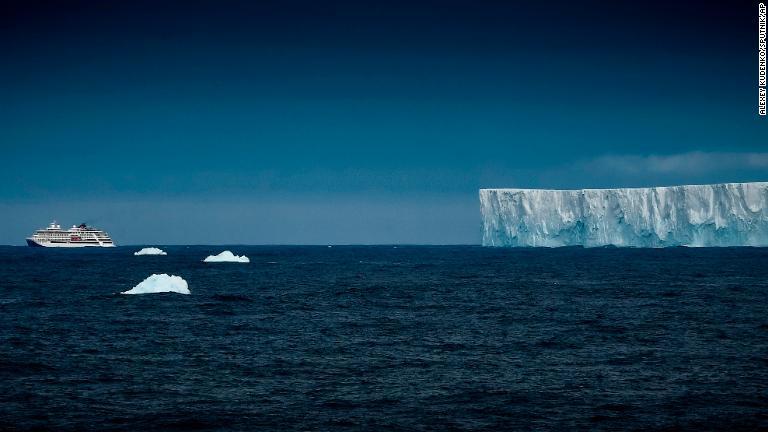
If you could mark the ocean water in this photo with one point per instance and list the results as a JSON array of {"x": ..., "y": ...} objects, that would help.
[{"x": 385, "y": 338}]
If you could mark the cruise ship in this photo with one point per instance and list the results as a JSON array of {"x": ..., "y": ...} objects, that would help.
[{"x": 77, "y": 236}]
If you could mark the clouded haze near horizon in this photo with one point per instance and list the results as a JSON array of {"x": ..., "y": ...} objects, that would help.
[{"x": 359, "y": 122}]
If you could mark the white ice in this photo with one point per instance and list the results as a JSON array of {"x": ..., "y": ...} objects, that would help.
[
  {"x": 150, "y": 251},
  {"x": 158, "y": 283},
  {"x": 226, "y": 256},
  {"x": 731, "y": 214}
]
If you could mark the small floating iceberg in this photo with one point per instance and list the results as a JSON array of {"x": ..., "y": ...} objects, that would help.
[
  {"x": 150, "y": 251},
  {"x": 226, "y": 256},
  {"x": 158, "y": 283}
]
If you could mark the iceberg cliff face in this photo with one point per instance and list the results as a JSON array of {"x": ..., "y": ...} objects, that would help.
[{"x": 731, "y": 214}]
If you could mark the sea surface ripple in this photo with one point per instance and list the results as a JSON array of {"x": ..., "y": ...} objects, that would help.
[{"x": 381, "y": 338}]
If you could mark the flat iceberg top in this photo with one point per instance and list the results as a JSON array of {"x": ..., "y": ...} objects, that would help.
[
  {"x": 158, "y": 283},
  {"x": 150, "y": 251},
  {"x": 727, "y": 214},
  {"x": 226, "y": 256},
  {"x": 759, "y": 184}
]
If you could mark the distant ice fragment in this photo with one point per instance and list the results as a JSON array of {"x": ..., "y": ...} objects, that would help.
[
  {"x": 226, "y": 256},
  {"x": 729, "y": 214},
  {"x": 158, "y": 283},
  {"x": 150, "y": 251}
]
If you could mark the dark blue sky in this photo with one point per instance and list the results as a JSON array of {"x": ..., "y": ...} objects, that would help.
[{"x": 359, "y": 122}]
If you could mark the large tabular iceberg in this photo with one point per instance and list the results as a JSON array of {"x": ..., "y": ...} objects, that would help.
[{"x": 731, "y": 214}]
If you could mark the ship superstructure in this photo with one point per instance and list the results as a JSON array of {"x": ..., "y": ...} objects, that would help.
[{"x": 77, "y": 236}]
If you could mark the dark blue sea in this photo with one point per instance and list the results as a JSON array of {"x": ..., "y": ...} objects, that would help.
[{"x": 386, "y": 338}]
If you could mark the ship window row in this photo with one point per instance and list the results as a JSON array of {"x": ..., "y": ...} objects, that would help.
[{"x": 70, "y": 235}]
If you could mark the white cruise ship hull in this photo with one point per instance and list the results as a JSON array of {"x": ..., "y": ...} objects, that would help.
[{"x": 38, "y": 243}]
